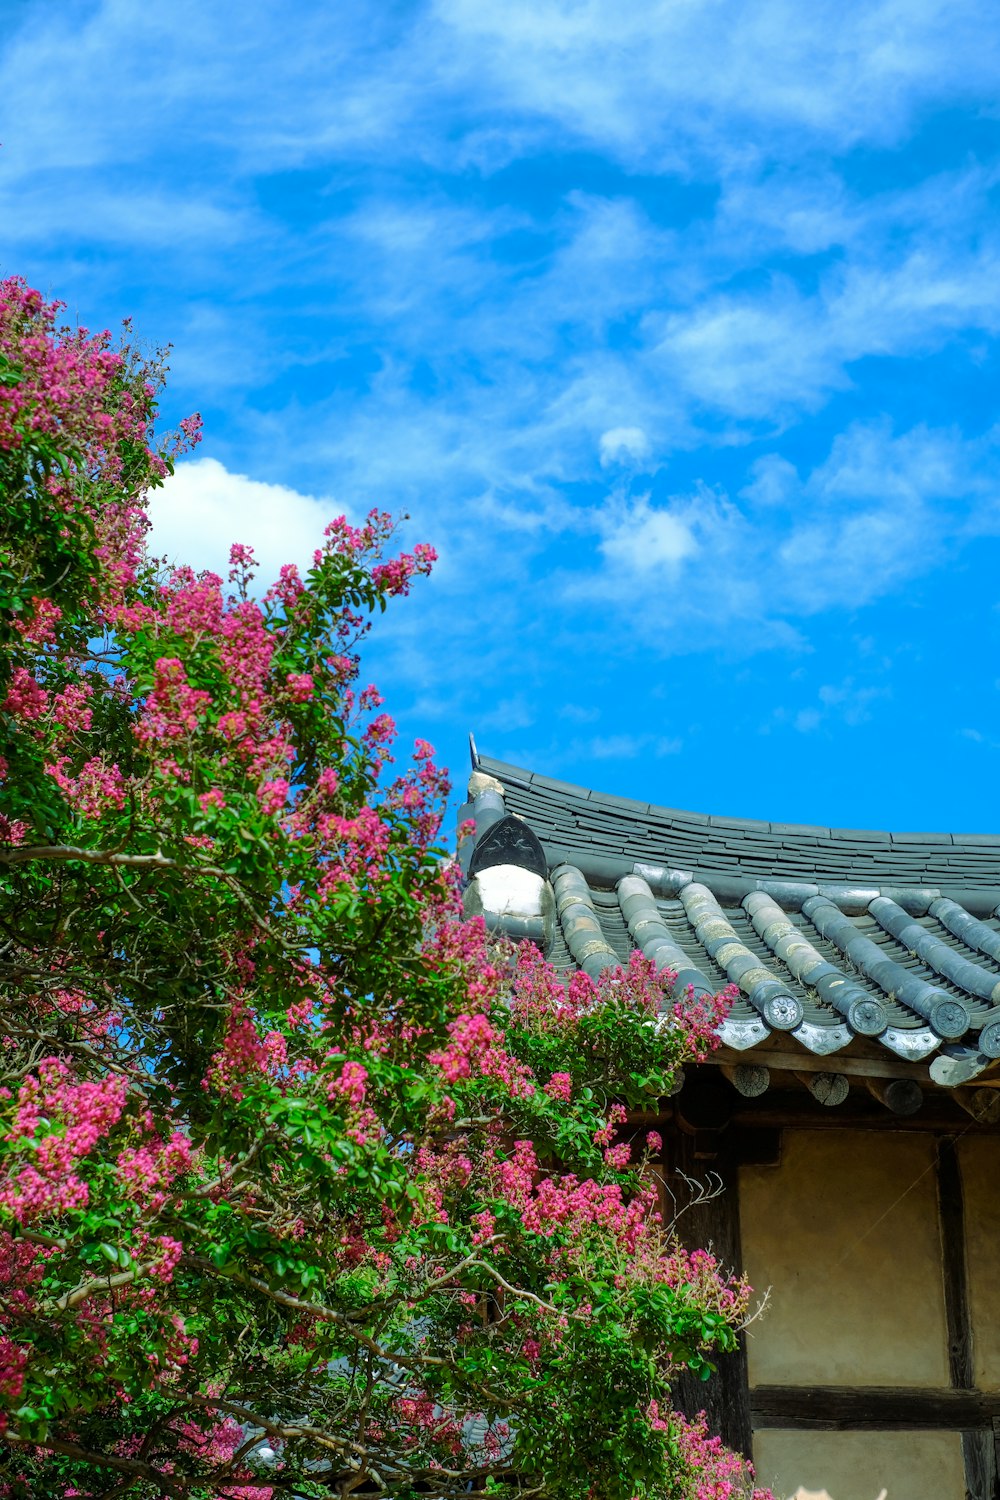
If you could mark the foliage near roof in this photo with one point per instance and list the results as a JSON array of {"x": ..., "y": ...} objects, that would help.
[{"x": 302, "y": 1189}]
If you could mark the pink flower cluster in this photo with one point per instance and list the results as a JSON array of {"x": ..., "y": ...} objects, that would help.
[
  {"x": 64, "y": 391},
  {"x": 354, "y": 847},
  {"x": 168, "y": 1254},
  {"x": 71, "y": 708},
  {"x": 699, "y": 1271},
  {"x": 702, "y": 1018},
  {"x": 272, "y": 795},
  {"x": 13, "y": 1363},
  {"x": 62, "y": 381},
  {"x": 349, "y": 1085},
  {"x": 300, "y": 686},
  {"x": 476, "y": 1050},
  {"x": 94, "y": 789},
  {"x": 546, "y": 1202},
  {"x": 436, "y": 1426},
  {"x": 63, "y": 1121},
  {"x": 716, "y": 1472},
  {"x": 216, "y": 1444},
  {"x": 25, "y": 699},
  {"x": 39, "y": 628},
  {"x": 22, "y": 1266},
  {"x": 174, "y": 708},
  {"x": 559, "y": 1086},
  {"x": 394, "y": 577},
  {"x": 148, "y": 1170},
  {"x": 244, "y": 1054}
]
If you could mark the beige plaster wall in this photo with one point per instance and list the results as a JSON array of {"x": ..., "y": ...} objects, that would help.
[
  {"x": 845, "y": 1234},
  {"x": 857, "y": 1465},
  {"x": 979, "y": 1161}
]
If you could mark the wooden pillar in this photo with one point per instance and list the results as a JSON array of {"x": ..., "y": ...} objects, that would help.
[
  {"x": 978, "y": 1447},
  {"x": 713, "y": 1224}
]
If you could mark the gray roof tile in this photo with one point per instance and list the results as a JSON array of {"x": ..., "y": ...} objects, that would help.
[{"x": 914, "y": 967}]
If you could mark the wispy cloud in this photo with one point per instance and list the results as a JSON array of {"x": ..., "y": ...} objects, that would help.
[
  {"x": 623, "y": 747},
  {"x": 672, "y": 327}
]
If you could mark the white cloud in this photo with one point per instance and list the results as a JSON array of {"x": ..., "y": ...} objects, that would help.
[
  {"x": 663, "y": 79},
  {"x": 775, "y": 482},
  {"x": 880, "y": 510},
  {"x": 508, "y": 715},
  {"x": 202, "y": 509},
  {"x": 579, "y": 713},
  {"x": 661, "y": 82},
  {"x": 646, "y": 539},
  {"x": 623, "y": 747},
  {"x": 623, "y": 445},
  {"x": 807, "y": 719}
]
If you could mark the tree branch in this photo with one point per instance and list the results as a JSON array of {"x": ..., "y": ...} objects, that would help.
[
  {"x": 96, "y": 1284},
  {"x": 169, "y": 1484}
]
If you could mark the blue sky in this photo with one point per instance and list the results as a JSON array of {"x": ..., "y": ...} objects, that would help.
[{"x": 674, "y": 327}]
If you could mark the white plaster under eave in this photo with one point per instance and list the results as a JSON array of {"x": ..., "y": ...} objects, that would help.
[{"x": 514, "y": 901}]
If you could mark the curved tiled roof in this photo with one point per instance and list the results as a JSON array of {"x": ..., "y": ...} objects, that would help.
[
  {"x": 830, "y": 934},
  {"x": 594, "y": 826}
]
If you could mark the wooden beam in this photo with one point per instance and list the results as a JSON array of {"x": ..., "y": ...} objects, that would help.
[
  {"x": 802, "y": 1061},
  {"x": 873, "y": 1409},
  {"x": 903, "y": 1096},
  {"x": 828, "y": 1089},
  {"x": 713, "y": 1221},
  {"x": 979, "y": 1454},
  {"x": 961, "y": 1366},
  {"x": 978, "y": 1448},
  {"x": 749, "y": 1079},
  {"x": 707, "y": 1102},
  {"x": 795, "y": 1109},
  {"x": 982, "y": 1104}
]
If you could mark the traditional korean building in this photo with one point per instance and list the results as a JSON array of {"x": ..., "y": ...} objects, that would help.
[{"x": 851, "y": 1113}]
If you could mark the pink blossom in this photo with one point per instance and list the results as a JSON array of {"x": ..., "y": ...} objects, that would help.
[
  {"x": 169, "y": 1253},
  {"x": 560, "y": 1086},
  {"x": 39, "y": 627},
  {"x": 350, "y": 1084},
  {"x": 13, "y": 1363},
  {"x": 272, "y": 795},
  {"x": 94, "y": 789},
  {"x": 25, "y": 699},
  {"x": 173, "y": 708},
  {"x": 300, "y": 686},
  {"x": 146, "y": 1171},
  {"x": 64, "y": 1121},
  {"x": 71, "y": 708}
]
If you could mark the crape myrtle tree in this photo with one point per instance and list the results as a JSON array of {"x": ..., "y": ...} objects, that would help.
[{"x": 304, "y": 1189}]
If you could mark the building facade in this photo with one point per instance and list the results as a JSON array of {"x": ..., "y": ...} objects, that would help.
[{"x": 842, "y": 1146}]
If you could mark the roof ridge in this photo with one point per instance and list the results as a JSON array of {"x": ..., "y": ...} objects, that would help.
[{"x": 520, "y": 775}]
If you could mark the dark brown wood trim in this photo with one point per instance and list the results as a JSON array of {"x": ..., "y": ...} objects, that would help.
[
  {"x": 979, "y": 1457},
  {"x": 835, "y": 1408},
  {"x": 784, "y": 1108},
  {"x": 953, "y": 1266},
  {"x": 978, "y": 1448},
  {"x": 715, "y": 1223}
]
